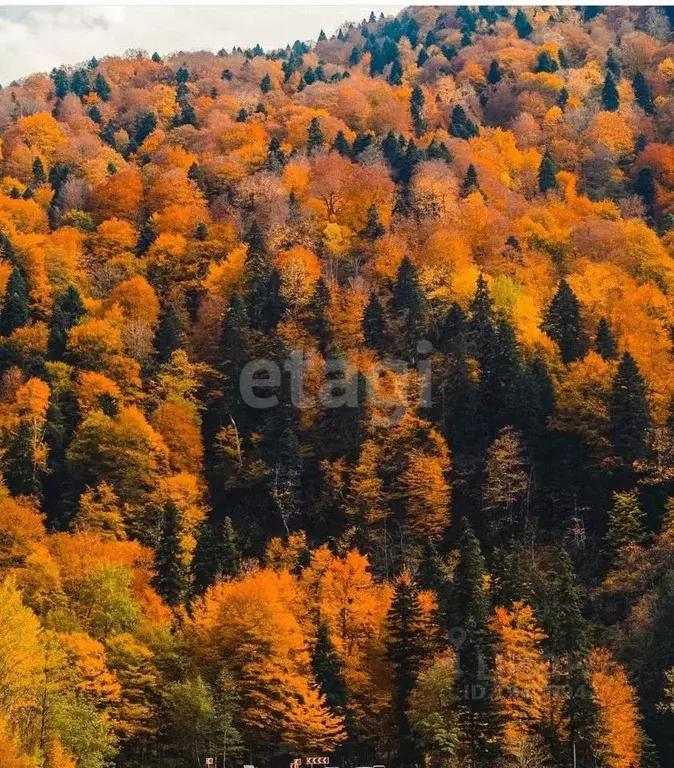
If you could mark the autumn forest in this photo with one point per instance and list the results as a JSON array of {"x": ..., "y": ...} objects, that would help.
[{"x": 337, "y": 399}]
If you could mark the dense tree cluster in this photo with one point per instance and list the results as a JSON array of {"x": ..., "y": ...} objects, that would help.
[{"x": 456, "y": 546}]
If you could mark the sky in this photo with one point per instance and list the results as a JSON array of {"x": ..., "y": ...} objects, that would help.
[{"x": 38, "y": 38}]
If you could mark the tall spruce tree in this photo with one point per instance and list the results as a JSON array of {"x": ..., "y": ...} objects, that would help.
[
  {"x": 470, "y": 182},
  {"x": 258, "y": 273},
  {"x": 318, "y": 321},
  {"x": 408, "y": 648},
  {"x": 409, "y": 305},
  {"x": 233, "y": 342},
  {"x": 604, "y": 341},
  {"x": 315, "y": 138},
  {"x": 216, "y": 555},
  {"x": 39, "y": 175},
  {"x": 568, "y": 644},
  {"x": 375, "y": 333},
  {"x": 470, "y": 633},
  {"x": 328, "y": 669},
  {"x": 22, "y": 471},
  {"x": 547, "y": 178},
  {"x": 15, "y": 311},
  {"x": 494, "y": 73},
  {"x": 374, "y": 229},
  {"x": 68, "y": 309},
  {"x": 629, "y": 411},
  {"x": 610, "y": 98},
  {"x": 562, "y": 323},
  {"x": 417, "y": 101},
  {"x": 170, "y": 576},
  {"x": 341, "y": 145},
  {"x": 642, "y": 93},
  {"x": 522, "y": 24},
  {"x": 102, "y": 88},
  {"x": 461, "y": 127}
]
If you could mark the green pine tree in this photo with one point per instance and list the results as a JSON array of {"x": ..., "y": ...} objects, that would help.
[
  {"x": 408, "y": 648},
  {"x": 61, "y": 83},
  {"x": 258, "y": 273},
  {"x": 562, "y": 323},
  {"x": 265, "y": 84},
  {"x": 494, "y": 74},
  {"x": 629, "y": 411},
  {"x": 610, "y": 99},
  {"x": 547, "y": 178},
  {"x": 470, "y": 182},
  {"x": 409, "y": 305},
  {"x": 318, "y": 321},
  {"x": 168, "y": 336},
  {"x": 80, "y": 84},
  {"x": 374, "y": 229},
  {"x": 460, "y": 126},
  {"x": 395, "y": 76},
  {"x": 604, "y": 341},
  {"x": 15, "y": 311},
  {"x": 328, "y": 669},
  {"x": 522, "y": 25},
  {"x": 374, "y": 325},
  {"x": 417, "y": 101},
  {"x": 102, "y": 88},
  {"x": 315, "y": 138},
  {"x": 39, "y": 175},
  {"x": 341, "y": 145},
  {"x": 170, "y": 578},
  {"x": 568, "y": 640},
  {"x": 21, "y": 470},
  {"x": 430, "y": 575},
  {"x": 470, "y": 633},
  {"x": 68, "y": 309},
  {"x": 642, "y": 93},
  {"x": 546, "y": 63}
]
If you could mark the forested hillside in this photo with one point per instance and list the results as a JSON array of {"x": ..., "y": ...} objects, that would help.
[{"x": 337, "y": 399}]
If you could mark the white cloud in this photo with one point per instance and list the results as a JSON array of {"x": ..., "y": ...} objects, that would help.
[{"x": 38, "y": 38}]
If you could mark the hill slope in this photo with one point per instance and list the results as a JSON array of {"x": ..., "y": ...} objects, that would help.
[{"x": 330, "y": 372}]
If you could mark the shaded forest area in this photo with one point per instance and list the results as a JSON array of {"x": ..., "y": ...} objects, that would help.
[{"x": 475, "y": 567}]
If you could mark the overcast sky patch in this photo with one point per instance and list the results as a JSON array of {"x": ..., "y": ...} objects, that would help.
[{"x": 38, "y": 38}]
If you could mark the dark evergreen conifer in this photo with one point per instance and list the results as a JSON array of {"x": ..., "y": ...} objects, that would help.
[
  {"x": 102, "y": 88},
  {"x": 39, "y": 175},
  {"x": 408, "y": 648},
  {"x": 522, "y": 24},
  {"x": 328, "y": 669},
  {"x": 610, "y": 98},
  {"x": 604, "y": 341},
  {"x": 461, "y": 127},
  {"x": 315, "y": 139},
  {"x": 562, "y": 323},
  {"x": 170, "y": 578},
  {"x": 470, "y": 182},
  {"x": 642, "y": 93},
  {"x": 494, "y": 74},
  {"x": 15, "y": 311},
  {"x": 547, "y": 178},
  {"x": 68, "y": 309},
  {"x": 374, "y": 325},
  {"x": 629, "y": 411},
  {"x": 168, "y": 336}
]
